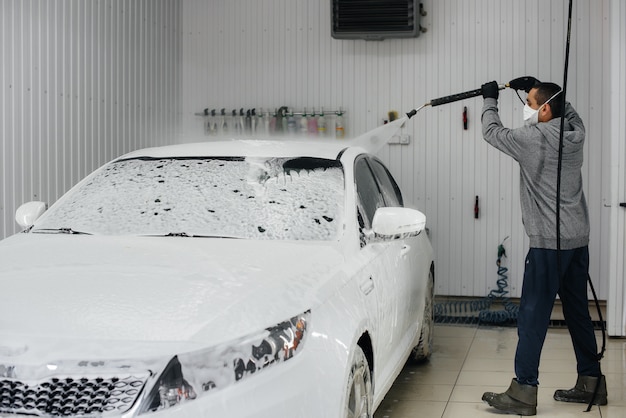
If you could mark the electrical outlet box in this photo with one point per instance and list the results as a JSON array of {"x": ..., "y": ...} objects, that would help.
[{"x": 402, "y": 139}]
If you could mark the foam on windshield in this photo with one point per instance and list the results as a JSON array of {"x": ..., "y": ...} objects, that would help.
[{"x": 276, "y": 198}]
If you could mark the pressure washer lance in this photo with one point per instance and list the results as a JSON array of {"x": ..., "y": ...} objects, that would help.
[{"x": 452, "y": 98}]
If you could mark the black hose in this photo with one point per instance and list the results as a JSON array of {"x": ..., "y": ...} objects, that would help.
[{"x": 558, "y": 203}]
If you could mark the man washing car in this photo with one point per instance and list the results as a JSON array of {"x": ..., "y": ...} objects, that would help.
[{"x": 535, "y": 147}]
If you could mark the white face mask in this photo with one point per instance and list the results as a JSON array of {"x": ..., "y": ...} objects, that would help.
[{"x": 531, "y": 116}]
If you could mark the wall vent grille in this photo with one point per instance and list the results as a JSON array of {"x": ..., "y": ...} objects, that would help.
[{"x": 375, "y": 19}]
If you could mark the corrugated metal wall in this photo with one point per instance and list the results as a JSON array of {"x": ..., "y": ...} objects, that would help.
[
  {"x": 616, "y": 308},
  {"x": 81, "y": 82},
  {"x": 269, "y": 53}
]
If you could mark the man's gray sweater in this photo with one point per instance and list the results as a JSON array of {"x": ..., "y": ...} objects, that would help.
[{"x": 536, "y": 149}]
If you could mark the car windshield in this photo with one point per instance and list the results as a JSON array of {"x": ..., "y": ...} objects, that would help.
[{"x": 253, "y": 198}]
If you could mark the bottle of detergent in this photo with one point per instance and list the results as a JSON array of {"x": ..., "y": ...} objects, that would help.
[
  {"x": 273, "y": 121},
  {"x": 303, "y": 126},
  {"x": 321, "y": 123},
  {"x": 339, "y": 128},
  {"x": 291, "y": 123},
  {"x": 312, "y": 124}
]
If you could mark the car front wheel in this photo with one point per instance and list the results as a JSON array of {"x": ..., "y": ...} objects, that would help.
[
  {"x": 424, "y": 348},
  {"x": 359, "y": 397}
]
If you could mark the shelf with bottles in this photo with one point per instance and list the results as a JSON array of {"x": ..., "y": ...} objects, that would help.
[{"x": 281, "y": 121}]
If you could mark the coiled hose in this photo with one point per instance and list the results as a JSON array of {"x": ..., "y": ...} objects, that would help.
[{"x": 479, "y": 310}]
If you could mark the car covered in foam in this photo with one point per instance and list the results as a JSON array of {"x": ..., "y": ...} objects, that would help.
[{"x": 243, "y": 278}]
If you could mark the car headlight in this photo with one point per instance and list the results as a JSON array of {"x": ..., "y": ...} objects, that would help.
[{"x": 191, "y": 375}]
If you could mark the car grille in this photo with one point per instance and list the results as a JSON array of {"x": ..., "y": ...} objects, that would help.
[{"x": 69, "y": 397}]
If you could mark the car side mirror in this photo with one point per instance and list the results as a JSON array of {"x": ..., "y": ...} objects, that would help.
[
  {"x": 398, "y": 222},
  {"x": 29, "y": 212}
]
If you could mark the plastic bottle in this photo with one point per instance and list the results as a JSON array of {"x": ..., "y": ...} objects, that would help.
[
  {"x": 312, "y": 124},
  {"x": 248, "y": 122},
  {"x": 291, "y": 123},
  {"x": 339, "y": 128},
  {"x": 242, "y": 122},
  {"x": 303, "y": 126},
  {"x": 213, "y": 121},
  {"x": 207, "y": 122},
  {"x": 223, "y": 124},
  {"x": 281, "y": 119},
  {"x": 260, "y": 122},
  {"x": 266, "y": 123},
  {"x": 273, "y": 122},
  {"x": 321, "y": 123}
]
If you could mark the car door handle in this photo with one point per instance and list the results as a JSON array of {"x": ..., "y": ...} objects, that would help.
[
  {"x": 367, "y": 286},
  {"x": 623, "y": 204},
  {"x": 405, "y": 250}
]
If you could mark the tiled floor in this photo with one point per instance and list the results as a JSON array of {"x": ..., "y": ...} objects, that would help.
[{"x": 469, "y": 360}]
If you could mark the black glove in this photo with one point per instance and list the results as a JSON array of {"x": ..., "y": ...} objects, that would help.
[
  {"x": 523, "y": 83},
  {"x": 490, "y": 90}
]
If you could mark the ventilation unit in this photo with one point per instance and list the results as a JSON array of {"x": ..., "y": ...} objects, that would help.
[{"x": 375, "y": 19}]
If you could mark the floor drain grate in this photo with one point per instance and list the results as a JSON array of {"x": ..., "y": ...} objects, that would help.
[{"x": 474, "y": 320}]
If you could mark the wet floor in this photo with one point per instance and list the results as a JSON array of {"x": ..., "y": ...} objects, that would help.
[{"x": 470, "y": 360}]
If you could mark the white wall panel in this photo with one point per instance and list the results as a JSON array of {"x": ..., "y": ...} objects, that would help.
[
  {"x": 269, "y": 53},
  {"x": 616, "y": 309},
  {"x": 81, "y": 82}
]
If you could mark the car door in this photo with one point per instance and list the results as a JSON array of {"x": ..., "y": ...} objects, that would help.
[
  {"x": 408, "y": 280},
  {"x": 385, "y": 267}
]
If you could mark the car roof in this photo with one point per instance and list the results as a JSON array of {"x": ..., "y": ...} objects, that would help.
[{"x": 320, "y": 148}]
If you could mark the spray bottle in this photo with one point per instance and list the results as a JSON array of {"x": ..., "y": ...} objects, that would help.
[
  {"x": 207, "y": 122},
  {"x": 248, "y": 122},
  {"x": 291, "y": 123},
  {"x": 273, "y": 122},
  {"x": 254, "y": 121},
  {"x": 235, "y": 121},
  {"x": 281, "y": 120},
  {"x": 312, "y": 124},
  {"x": 241, "y": 121},
  {"x": 213, "y": 121},
  {"x": 266, "y": 123},
  {"x": 321, "y": 123},
  {"x": 339, "y": 128},
  {"x": 223, "y": 124},
  {"x": 303, "y": 126}
]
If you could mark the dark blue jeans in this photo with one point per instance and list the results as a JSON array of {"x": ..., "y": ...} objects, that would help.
[{"x": 541, "y": 285}]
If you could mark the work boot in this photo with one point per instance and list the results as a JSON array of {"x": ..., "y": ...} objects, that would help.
[
  {"x": 583, "y": 391},
  {"x": 518, "y": 399}
]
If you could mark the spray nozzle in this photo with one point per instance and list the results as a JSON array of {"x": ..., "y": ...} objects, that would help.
[{"x": 523, "y": 83}]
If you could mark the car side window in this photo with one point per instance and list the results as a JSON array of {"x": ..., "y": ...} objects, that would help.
[
  {"x": 367, "y": 190},
  {"x": 389, "y": 188}
]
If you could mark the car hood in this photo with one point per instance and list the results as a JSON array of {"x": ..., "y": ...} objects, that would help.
[{"x": 154, "y": 293}]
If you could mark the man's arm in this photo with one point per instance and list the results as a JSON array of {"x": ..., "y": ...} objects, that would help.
[
  {"x": 494, "y": 133},
  {"x": 572, "y": 117}
]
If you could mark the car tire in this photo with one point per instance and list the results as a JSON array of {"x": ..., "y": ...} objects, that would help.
[
  {"x": 423, "y": 350},
  {"x": 359, "y": 395}
]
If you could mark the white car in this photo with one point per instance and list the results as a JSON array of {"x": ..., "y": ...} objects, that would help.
[{"x": 244, "y": 278}]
